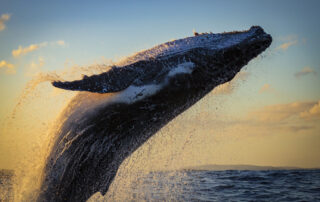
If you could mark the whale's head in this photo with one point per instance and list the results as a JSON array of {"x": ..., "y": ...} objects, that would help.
[
  {"x": 217, "y": 58},
  {"x": 206, "y": 60}
]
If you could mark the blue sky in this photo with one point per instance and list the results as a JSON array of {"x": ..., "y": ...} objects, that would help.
[{"x": 83, "y": 33}]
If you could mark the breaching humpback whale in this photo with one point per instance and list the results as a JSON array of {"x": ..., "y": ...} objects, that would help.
[{"x": 143, "y": 95}]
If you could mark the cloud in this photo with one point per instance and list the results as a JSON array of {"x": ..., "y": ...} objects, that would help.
[
  {"x": 24, "y": 50},
  {"x": 4, "y": 64},
  {"x": 10, "y": 68},
  {"x": 277, "y": 119},
  {"x": 305, "y": 71},
  {"x": 33, "y": 47},
  {"x": 266, "y": 88},
  {"x": 3, "y": 19},
  {"x": 313, "y": 112},
  {"x": 61, "y": 43},
  {"x": 281, "y": 112},
  {"x": 273, "y": 119},
  {"x": 288, "y": 41},
  {"x": 286, "y": 45},
  {"x": 290, "y": 117}
]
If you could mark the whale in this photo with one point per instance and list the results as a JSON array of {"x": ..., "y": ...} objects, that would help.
[{"x": 117, "y": 111}]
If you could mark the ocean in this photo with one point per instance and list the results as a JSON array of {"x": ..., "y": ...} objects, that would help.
[
  {"x": 232, "y": 185},
  {"x": 275, "y": 185}
]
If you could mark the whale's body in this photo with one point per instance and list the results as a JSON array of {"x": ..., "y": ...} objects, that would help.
[{"x": 132, "y": 102}]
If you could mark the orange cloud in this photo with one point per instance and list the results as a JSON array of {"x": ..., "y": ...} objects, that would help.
[
  {"x": 313, "y": 112},
  {"x": 61, "y": 43},
  {"x": 288, "y": 118},
  {"x": 33, "y": 47},
  {"x": 3, "y": 19},
  {"x": 24, "y": 50},
  {"x": 305, "y": 71},
  {"x": 10, "y": 68},
  {"x": 286, "y": 45},
  {"x": 289, "y": 41},
  {"x": 280, "y": 112},
  {"x": 265, "y": 88}
]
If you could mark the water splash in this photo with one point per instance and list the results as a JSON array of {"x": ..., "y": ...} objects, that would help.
[
  {"x": 166, "y": 143},
  {"x": 29, "y": 130}
]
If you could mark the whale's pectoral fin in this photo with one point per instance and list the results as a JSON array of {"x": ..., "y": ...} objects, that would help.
[{"x": 114, "y": 80}]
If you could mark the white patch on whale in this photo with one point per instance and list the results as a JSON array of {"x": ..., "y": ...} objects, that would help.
[
  {"x": 135, "y": 93},
  {"x": 183, "y": 68}
]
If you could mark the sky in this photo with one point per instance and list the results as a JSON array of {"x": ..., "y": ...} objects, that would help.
[{"x": 268, "y": 115}]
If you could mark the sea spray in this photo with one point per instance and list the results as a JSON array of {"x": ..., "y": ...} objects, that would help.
[
  {"x": 29, "y": 130},
  {"x": 161, "y": 153}
]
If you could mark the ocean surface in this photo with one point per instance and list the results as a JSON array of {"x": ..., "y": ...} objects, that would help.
[{"x": 273, "y": 185}]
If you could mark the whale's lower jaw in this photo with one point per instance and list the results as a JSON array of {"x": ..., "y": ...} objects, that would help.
[{"x": 90, "y": 147}]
